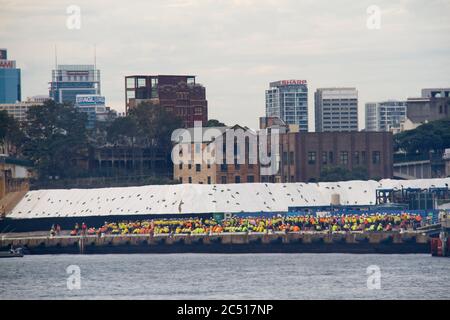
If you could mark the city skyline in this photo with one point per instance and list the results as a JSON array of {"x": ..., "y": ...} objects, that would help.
[{"x": 237, "y": 47}]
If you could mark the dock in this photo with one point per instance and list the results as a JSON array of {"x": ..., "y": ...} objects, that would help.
[
  {"x": 279, "y": 242},
  {"x": 440, "y": 246}
]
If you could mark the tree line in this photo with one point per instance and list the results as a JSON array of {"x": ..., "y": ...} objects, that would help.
[{"x": 55, "y": 135}]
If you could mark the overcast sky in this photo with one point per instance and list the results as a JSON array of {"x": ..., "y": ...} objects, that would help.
[{"x": 236, "y": 47}]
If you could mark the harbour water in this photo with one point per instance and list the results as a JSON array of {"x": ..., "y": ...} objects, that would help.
[{"x": 221, "y": 276}]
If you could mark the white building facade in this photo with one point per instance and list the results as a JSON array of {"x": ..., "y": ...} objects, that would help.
[{"x": 336, "y": 109}]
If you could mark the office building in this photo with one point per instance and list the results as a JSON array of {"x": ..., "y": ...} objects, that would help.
[
  {"x": 94, "y": 107},
  {"x": 178, "y": 94},
  {"x": 288, "y": 100},
  {"x": 434, "y": 104},
  {"x": 68, "y": 81},
  {"x": 385, "y": 116},
  {"x": 336, "y": 109},
  {"x": 19, "y": 110},
  {"x": 10, "y": 81}
]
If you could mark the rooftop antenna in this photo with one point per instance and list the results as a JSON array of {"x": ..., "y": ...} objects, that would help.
[
  {"x": 56, "y": 65},
  {"x": 95, "y": 62},
  {"x": 56, "y": 57}
]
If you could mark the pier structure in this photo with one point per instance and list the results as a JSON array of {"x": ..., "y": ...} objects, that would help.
[
  {"x": 239, "y": 242},
  {"x": 440, "y": 246}
]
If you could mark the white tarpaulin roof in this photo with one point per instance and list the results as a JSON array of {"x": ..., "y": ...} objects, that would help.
[{"x": 197, "y": 198}]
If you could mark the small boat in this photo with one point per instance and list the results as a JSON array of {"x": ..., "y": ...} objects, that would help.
[{"x": 11, "y": 254}]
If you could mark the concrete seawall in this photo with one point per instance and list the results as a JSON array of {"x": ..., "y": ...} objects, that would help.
[{"x": 301, "y": 242}]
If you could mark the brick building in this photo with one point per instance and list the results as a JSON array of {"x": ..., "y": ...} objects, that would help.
[
  {"x": 305, "y": 155},
  {"x": 179, "y": 94},
  {"x": 200, "y": 164}
]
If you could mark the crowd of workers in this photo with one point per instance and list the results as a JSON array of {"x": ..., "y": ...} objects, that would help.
[{"x": 362, "y": 223}]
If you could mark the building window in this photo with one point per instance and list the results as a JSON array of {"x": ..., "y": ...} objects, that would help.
[
  {"x": 209, "y": 180},
  {"x": 356, "y": 156},
  {"x": 223, "y": 168},
  {"x": 223, "y": 179},
  {"x": 344, "y": 157},
  {"x": 363, "y": 157},
  {"x": 376, "y": 157},
  {"x": 237, "y": 179},
  {"x": 285, "y": 158},
  {"x": 237, "y": 166},
  {"x": 291, "y": 158},
  {"x": 198, "y": 167},
  {"x": 311, "y": 157},
  {"x": 190, "y": 179},
  {"x": 180, "y": 166},
  {"x": 208, "y": 166},
  {"x": 197, "y": 148},
  {"x": 324, "y": 157},
  {"x": 181, "y": 180},
  {"x": 330, "y": 157},
  {"x": 250, "y": 179}
]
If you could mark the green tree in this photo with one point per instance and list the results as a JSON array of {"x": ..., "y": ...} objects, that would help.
[
  {"x": 10, "y": 133},
  {"x": 434, "y": 135},
  {"x": 124, "y": 131},
  {"x": 156, "y": 124},
  {"x": 55, "y": 136},
  {"x": 215, "y": 123},
  {"x": 332, "y": 174}
]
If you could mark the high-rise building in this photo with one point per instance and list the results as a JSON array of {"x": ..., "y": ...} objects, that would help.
[
  {"x": 336, "y": 109},
  {"x": 10, "y": 87},
  {"x": 94, "y": 107},
  {"x": 288, "y": 100},
  {"x": 385, "y": 116},
  {"x": 68, "y": 81},
  {"x": 178, "y": 94}
]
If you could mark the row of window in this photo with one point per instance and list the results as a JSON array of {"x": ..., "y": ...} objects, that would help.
[
  {"x": 223, "y": 167},
  {"x": 223, "y": 179},
  {"x": 198, "y": 167},
  {"x": 359, "y": 158}
]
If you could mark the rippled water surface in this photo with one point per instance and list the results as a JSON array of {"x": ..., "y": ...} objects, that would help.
[{"x": 220, "y": 276}]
